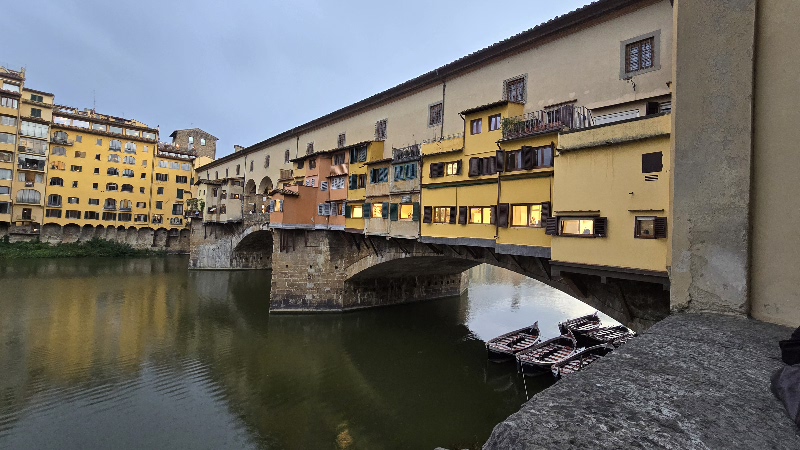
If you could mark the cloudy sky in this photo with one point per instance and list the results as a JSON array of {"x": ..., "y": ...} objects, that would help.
[{"x": 245, "y": 70}]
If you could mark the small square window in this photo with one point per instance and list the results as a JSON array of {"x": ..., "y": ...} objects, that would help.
[
  {"x": 202, "y": 141},
  {"x": 94, "y": 186},
  {"x": 341, "y": 141},
  {"x": 36, "y": 112},
  {"x": 514, "y": 89},
  {"x": 74, "y": 184},
  {"x": 99, "y": 142},
  {"x": 639, "y": 55},
  {"x": 79, "y": 139}
]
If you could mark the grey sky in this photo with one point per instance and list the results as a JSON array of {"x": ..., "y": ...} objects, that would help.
[{"x": 245, "y": 71}]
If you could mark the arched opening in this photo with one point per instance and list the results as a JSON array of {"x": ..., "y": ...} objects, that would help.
[
  {"x": 262, "y": 200},
  {"x": 254, "y": 251},
  {"x": 250, "y": 197}
]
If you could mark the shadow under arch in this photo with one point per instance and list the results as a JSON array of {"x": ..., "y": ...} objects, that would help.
[{"x": 254, "y": 251}]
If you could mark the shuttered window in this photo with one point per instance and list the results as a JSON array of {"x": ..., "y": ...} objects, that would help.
[
  {"x": 442, "y": 214},
  {"x": 529, "y": 215},
  {"x": 481, "y": 214},
  {"x": 650, "y": 228},
  {"x": 576, "y": 226}
]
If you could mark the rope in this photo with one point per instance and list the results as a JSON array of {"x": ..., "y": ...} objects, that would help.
[{"x": 524, "y": 383}]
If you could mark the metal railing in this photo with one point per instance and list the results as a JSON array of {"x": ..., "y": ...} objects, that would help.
[
  {"x": 547, "y": 121},
  {"x": 32, "y": 151}
]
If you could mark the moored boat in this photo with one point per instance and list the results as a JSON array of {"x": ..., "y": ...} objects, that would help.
[
  {"x": 583, "y": 323},
  {"x": 616, "y": 336},
  {"x": 540, "y": 358},
  {"x": 581, "y": 359},
  {"x": 504, "y": 348}
]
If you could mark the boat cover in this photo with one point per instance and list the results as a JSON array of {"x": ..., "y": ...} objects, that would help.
[
  {"x": 790, "y": 349},
  {"x": 786, "y": 386}
]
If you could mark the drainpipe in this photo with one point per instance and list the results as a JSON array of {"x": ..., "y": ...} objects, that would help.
[{"x": 444, "y": 88}]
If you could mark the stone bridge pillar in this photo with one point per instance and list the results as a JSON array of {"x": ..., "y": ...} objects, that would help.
[{"x": 246, "y": 245}]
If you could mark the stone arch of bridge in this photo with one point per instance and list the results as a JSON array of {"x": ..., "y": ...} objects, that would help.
[{"x": 253, "y": 249}]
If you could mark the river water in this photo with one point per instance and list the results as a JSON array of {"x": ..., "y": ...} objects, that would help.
[{"x": 142, "y": 353}]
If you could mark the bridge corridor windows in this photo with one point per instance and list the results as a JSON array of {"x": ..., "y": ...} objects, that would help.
[
  {"x": 481, "y": 214},
  {"x": 529, "y": 215},
  {"x": 439, "y": 214},
  {"x": 576, "y": 226},
  {"x": 356, "y": 211},
  {"x": 650, "y": 228}
]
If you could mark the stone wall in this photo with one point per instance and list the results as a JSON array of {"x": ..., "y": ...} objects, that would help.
[
  {"x": 230, "y": 246},
  {"x": 172, "y": 241}
]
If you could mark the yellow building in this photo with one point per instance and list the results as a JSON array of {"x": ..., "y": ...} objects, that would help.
[
  {"x": 100, "y": 170},
  {"x": 360, "y": 160}
]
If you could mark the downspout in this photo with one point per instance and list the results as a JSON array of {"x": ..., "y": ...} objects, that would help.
[
  {"x": 499, "y": 189},
  {"x": 441, "y": 130}
]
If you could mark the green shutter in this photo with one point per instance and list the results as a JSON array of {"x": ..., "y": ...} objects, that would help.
[
  {"x": 353, "y": 181},
  {"x": 416, "y": 212},
  {"x": 367, "y": 210},
  {"x": 347, "y": 211},
  {"x": 385, "y": 209},
  {"x": 394, "y": 214}
]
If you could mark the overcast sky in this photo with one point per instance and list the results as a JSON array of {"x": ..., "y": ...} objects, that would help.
[{"x": 245, "y": 71}]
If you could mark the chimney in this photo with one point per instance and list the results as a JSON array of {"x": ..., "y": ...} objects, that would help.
[{"x": 237, "y": 148}]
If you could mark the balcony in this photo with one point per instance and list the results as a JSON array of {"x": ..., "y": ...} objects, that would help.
[
  {"x": 176, "y": 221},
  {"x": 128, "y": 209},
  {"x": 37, "y": 166},
  {"x": 61, "y": 140},
  {"x": 110, "y": 208},
  {"x": 32, "y": 151},
  {"x": 549, "y": 120},
  {"x": 54, "y": 205}
]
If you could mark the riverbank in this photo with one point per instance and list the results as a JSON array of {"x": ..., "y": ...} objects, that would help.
[
  {"x": 691, "y": 381},
  {"x": 91, "y": 248}
]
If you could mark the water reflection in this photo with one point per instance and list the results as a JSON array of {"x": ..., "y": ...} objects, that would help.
[{"x": 141, "y": 353}]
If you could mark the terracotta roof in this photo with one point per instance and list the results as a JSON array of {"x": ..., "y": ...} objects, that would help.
[
  {"x": 484, "y": 107},
  {"x": 552, "y": 28},
  {"x": 284, "y": 192},
  {"x": 384, "y": 160},
  {"x": 27, "y": 89}
]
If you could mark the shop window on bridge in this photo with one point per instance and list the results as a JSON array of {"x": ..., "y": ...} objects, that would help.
[
  {"x": 529, "y": 215},
  {"x": 91, "y": 215},
  {"x": 405, "y": 172},
  {"x": 376, "y": 211},
  {"x": 380, "y": 175},
  {"x": 354, "y": 211},
  {"x": 439, "y": 214},
  {"x": 358, "y": 154},
  {"x": 481, "y": 215},
  {"x": 576, "y": 226},
  {"x": 409, "y": 212}
]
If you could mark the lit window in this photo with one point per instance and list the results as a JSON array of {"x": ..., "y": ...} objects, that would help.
[
  {"x": 377, "y": 210},
  {"x": 357, "y": 211},
  {"x": 406, "y": 211},
  {"x": 480, "y": 215},
  {"x": 577, "y": 227},
  {"x": 526, "y": 216}
]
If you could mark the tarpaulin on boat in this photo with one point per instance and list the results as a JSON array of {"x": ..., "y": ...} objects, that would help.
[
  {"x": 786, "y": 381},
  {"x": 790, "y": 349}
]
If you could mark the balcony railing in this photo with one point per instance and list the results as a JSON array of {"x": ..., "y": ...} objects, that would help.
[
  {"x": 547, "y": 121},
  {"x": 61, "y": 140},
  {"x": 128, "y": 209},
  {"x": 54, "y": 205},
  {"x": 410, "y": 153},
  {"x": 31, "y": 166},
  {"x": 109, "y": 208}
]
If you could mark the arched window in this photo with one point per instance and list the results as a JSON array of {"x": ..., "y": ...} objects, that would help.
[
  {"x": 129, "y": 160},
  {"x": 251, "y": 166},
  {"x": 110, "y": 204},
  {"x": 125, "y": 205},
  {"x": 115, "y": 145},
  {"x": 113, "y": 158},
  {"x": 58, "y": 151},
  {"x": 56, "y": 181},
  {"x": 266, "y": 162},
  {"x": 54, "y": 200},
  {"x": 286, "y": 156},
  {"x": 127, "y": 188},
  {"x": 112, "y": 187},
  {"x": 29, "y": 196},
  {"x": 216, "y": 175},
  {"x": 60, "y": 137},
  {"x": 130, "y": 147},
  {"x": 112, "y": 171}
]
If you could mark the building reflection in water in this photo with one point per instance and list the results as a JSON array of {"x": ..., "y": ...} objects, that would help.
[{"x": 143, "y": 353}]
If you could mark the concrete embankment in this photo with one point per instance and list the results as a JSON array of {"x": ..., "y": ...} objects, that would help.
[{"x": 691, "y": 381}]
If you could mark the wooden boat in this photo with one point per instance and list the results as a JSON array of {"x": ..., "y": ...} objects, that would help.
[
  {"x": 581, "y": 359},
  {"x": 503, "y": 348},
  {"x": 583, "y": 323},
  {"x": 539, "y": 359},
  {"x": 616, "y": 336}
]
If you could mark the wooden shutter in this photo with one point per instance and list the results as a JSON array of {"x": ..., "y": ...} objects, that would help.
[
  {"x": 490, "y": 166},
  {"x": 458, "y": 167},
  {"x": 347, "y": 211},
  {"x": 453, "y": 214},
  {"x": 528, "y": 158},
  {"x": 474, "y": 167},
  {"x": 415, "y": 217},
  {"x": 367, "y": 212},
  {"x": 500, "y": 160},
  {"x": 502, "y": 215},
  {"x": 427, "y": 216},
  {"x": 546, "y": 208},
  {"x": 494, "y": 215},
  {"x": 551, "y": 226},
  {"x": 434, "y": 173},
  {"x": 600, "y": 226},
  {"x": 393, "y": 213},
  {"x": 384, "y": 210},
  {"x": 440, "y": 169},
  {"x": 463, "y": 212},
  {"x": 660, "y": 227}
]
